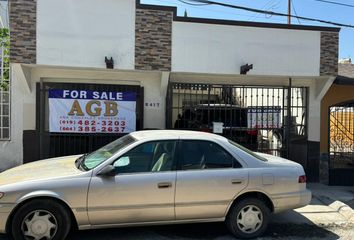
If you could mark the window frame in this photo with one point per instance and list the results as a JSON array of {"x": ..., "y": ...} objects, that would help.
[
  {"x": 174, "y": 158},
  {"x": 235, "y": 163},
  {"x": 3, "y": 92}
]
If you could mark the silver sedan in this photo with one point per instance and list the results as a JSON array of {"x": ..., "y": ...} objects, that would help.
[{"x": 150, "y": 178}]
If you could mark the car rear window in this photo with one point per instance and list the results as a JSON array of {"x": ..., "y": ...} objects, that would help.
[{"x": 248, "y": 151}]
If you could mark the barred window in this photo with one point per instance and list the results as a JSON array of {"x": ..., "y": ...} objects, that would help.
[{"x": 4, "y": 86}]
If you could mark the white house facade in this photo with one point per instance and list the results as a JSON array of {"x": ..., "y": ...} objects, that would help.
[{"x": 172, "y": 64}]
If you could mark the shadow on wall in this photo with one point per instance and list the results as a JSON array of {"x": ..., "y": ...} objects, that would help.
[{"x": 8, "y": 165}]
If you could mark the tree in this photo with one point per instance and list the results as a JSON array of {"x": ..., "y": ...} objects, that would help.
[{"x": 5, "y": 44}]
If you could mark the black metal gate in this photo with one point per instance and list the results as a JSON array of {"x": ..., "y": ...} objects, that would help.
[
  {"x": 263, "y": 118},
  {"x": 341, "y": 144},
  {"x": 61, "y": 144}
]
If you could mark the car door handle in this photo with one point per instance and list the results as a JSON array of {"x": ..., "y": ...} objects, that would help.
[
  {"x": 236, "y": 181},
  {"x": 164, "y": 185}
]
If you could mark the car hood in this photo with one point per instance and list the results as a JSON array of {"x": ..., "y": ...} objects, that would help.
[
  {"x": 44, "y": 169},
  {"x": 274, "y": 160}
]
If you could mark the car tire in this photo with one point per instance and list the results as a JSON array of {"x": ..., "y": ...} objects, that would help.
[
  {"x": 41, "y": 219},
  {"x": 248, "y": 218}
]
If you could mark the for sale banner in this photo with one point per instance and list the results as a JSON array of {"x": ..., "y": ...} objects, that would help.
[
  {"x": 86, "y": 111},
  {"x": 263, "y": 117}
]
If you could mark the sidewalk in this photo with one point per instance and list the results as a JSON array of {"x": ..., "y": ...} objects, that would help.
[{"x": 330, "y": 206}]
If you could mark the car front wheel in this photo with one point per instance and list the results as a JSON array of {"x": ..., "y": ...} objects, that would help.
[
  {"x": 41, "y": 219},
  {"x": 248, "y": 218}
]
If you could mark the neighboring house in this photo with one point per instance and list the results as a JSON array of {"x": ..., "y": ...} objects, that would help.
[
  {"x": 173, "y": 65},
  {"x": 337, "y": 127},
  {"x": 346, "y": 69},
  {"x": 345, "y": 61}
]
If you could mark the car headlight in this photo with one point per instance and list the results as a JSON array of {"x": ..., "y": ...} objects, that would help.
[{"x": 1, "y": 194}]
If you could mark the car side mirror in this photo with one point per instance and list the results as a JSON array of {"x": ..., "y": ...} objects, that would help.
[{"x": 107, "y": 171}]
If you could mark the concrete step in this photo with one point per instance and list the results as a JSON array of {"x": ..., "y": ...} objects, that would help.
[{"x": 340, "y": 199}]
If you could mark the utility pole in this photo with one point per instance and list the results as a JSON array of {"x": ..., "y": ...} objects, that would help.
[{"x": 289, "y": 12}]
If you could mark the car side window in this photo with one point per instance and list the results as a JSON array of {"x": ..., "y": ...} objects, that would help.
[
  {"x": 156, "y": 156},
  {"x": 204, "y": 155}
]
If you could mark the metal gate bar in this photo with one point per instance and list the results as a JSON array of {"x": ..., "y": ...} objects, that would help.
[
  {"x": 341, "y": 139},
  {"x": 196, "y": 106}
]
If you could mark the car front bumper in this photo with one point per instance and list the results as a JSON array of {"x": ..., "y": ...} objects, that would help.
[
  {"x": 291, "y": 200},
  {"x": 5, "y": 211}
]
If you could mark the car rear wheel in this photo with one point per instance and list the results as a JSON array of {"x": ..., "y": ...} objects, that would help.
[
  {"x": 248, "y": 218},
  {"x": 41, "y": 220}
]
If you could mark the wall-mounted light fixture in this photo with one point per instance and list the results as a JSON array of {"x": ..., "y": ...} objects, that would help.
[
  {"x": 109, "y": 62},
  {"x": 245, "y": 68}
]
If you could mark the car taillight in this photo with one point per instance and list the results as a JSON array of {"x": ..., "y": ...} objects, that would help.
[
  {"x": 252, "y": 132},
  {"x": 302, "y": 179}
]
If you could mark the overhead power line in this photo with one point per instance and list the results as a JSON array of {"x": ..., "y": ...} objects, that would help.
[
  {"x": 269, "y": 5},
  {"x": 289, "y": 12},
  {"x": 335, "y": 3},
  {"x": 207, "y": 9},
  {"x": 298, "y": 20},
  {"x": 193, "y": 4},
  {"x": 272, "y": 13}
]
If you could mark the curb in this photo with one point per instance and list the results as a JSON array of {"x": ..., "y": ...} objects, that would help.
[{"x": 340, "y": 207}]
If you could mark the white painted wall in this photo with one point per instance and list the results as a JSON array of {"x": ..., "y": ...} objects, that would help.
[
  {"x": 83, "y": 32},
  {"x": 23, "y": 98},
  {"x": 24, "y": 79},
  {"x": 209, "y": 48},
  {"x": 317, "y": 91}
]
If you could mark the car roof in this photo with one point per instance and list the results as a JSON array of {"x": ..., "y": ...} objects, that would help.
[{"x": 175, "y": 134}]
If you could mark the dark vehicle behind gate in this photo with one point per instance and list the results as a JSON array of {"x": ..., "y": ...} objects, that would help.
[{"x": 233, "y": 118}]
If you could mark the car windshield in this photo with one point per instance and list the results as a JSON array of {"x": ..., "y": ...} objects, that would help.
[
  {"x": 248, "y": 151},
  {"x": 97, "y": 157}
]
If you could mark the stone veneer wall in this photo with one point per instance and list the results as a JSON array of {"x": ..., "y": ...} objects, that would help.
[
  {"x": 23, "y": 31},
  {"x": 153, "y": 36},
  {"x": 329, "y": 53}
]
